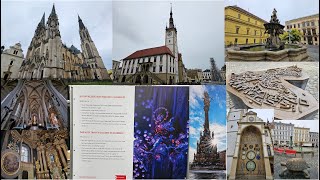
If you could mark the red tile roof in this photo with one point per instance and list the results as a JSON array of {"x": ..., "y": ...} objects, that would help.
[{"x": 150, "y": 52}]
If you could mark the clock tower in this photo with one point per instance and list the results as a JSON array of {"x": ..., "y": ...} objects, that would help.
[{"x": 171, "y": 37}]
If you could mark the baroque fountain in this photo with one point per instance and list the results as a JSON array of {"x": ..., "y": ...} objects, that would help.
[{"x": 273, "y": 50}]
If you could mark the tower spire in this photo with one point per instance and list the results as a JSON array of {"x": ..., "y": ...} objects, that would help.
[
  {"x": 53, "y": 11},
  {"x": 42, "y": 22},
  {"x": 81, "y": 25},
  {"x": 171, "y": 24}
]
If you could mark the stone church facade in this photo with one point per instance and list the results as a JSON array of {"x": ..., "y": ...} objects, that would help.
[{"x": 48, "y": 58}]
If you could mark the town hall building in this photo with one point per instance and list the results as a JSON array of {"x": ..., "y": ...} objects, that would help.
[{"x": 156, "y": 65}]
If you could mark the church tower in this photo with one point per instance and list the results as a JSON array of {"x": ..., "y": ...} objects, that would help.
[
  {"x": 43, "y": 59},
  {"x": 90, "y": 53},
  {"x": 52, "y": 51},
  {"x": 171, "y": 37}
]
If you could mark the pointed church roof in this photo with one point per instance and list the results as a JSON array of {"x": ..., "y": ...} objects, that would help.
[
  {"x": 42, "y": 22},
  {"x": 74, "y": 49},
  {"x": 81, "y": 25},
  {"x": 150, "y": 52},
  {"x": 53, "y": 11}
]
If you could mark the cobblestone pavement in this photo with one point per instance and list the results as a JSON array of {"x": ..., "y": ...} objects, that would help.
[
  {"x": 311, "y": 160},
  {"x": 311, "y": 68},
  {"x": 313, "y": 52}
]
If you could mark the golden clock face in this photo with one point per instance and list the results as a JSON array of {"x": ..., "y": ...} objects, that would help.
[
  {"x": 251, "y": 165},
  {"x": 251, "y": 155}
]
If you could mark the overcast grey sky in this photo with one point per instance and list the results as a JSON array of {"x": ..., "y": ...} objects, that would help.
[
  {"x": 264, "y": 114},
  {"x": 287, "y": 9},
  {"x": 200, "y": 25},
  {"x": 19, "y": 20},
  {"x": 312, "y": 124}
]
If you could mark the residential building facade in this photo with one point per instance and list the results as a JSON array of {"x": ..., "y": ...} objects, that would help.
[
  {"x": 283, "y": 133},
  {"x": 11, "y": 60},
  {"x": 206, "y": 75},
  {"x": 314, "y": 139},
  {"x": 308, "y": 26},
  {"x": 301, "y": 135}
]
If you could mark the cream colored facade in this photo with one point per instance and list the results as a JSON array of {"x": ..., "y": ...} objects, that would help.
[
  {"x": 253, "y": 146},
  {"x": 11, "y": 60},
  {"x": 308, "y": 26},
  {"x": 301, "y": 135},
  {"x": 194, "y": 75}
]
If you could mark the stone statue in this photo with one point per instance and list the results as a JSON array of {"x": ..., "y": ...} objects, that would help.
[
  {"x": 53, "y": 119},
  {"x": 34, "y": 121},
  {"x": 274, "y": 28},
  {"x": 274, "y": 18},
  {"x": 37, "y": 166}
]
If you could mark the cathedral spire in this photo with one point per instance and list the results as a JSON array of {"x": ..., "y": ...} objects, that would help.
[
  {"x": 81, "y": 25},
  {"x": 53, "y": 24},
  {"x": 42, "y": 22},
  {"x": 53, "y": 11},
  {"x": 171, "y": 24}
]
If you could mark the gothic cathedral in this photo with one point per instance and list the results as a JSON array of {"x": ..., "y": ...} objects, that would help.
[{"x": 48, "y": 58}]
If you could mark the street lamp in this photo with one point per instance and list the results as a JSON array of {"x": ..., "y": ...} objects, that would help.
[{"x": 289, "y": 31}]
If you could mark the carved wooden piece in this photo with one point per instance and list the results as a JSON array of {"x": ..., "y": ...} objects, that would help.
[{"x": 270, "y": 89}]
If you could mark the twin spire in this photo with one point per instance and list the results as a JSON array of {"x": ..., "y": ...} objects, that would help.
[
  {"x": 53, "y": 13},
  {"x": 42, "y": 22}
]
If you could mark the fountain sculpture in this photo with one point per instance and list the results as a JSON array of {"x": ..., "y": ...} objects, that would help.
[
  {"x": 274, "y": 29},
  {"x": 272, "y": 50}
]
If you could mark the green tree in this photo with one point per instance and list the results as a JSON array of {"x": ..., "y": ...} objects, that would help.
[{"x": 295, "y": 36}]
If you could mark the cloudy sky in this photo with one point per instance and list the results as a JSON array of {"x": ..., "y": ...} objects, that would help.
[
  {"x": 312, "y": 124},
  {"x": 217, "y": 116},
  {"x": 19, "y": 20},
  {"x": 287, "y": 9},
  {"x": 200, "y": 25},
  {"x": 264, "y": 114}
]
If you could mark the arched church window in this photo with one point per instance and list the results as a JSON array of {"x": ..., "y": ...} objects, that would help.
[
  {"x": 11, "y": 62},
  {"x": 96, "y": 65},
  {"x": 25, "y": 153},
  {"x": 89, "y": 51}
]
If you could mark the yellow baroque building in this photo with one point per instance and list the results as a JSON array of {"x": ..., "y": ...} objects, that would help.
[{"x": 242, "y": 27}]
